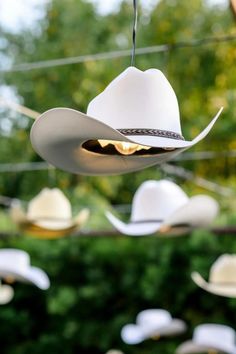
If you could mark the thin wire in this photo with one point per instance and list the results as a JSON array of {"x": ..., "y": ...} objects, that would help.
[
  {"x": 134, "y": 32},
  {"x": 117, "y": 54},
  {"x": 199, "y": 181},
  {"x": 19, "y": 108}
]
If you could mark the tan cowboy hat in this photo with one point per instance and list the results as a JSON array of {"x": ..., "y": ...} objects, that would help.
[
  {"x": 152, "y": 323},
  {"x": 15, "y": 264},
  {"x": 162, "y": 206},
  {"x": 134, "y": 123},
  {"x": 210, "y": 338},
  {"x": 222, "y": 277},
  {"x": 49, "y": 215}
]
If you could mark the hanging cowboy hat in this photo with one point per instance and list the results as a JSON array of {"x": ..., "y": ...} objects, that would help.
[
  {"x": 163, "y": 206},
  {"x": 15, "y": 265},
  {"x": 49, "y": 215},
  {"x": 210, "y": 338},
  {"x": 6, "y": 294},
  {"x": 134, "y": 123},
  {"x": 153, "y": 323},
  {"x": 222, "y": 277}
]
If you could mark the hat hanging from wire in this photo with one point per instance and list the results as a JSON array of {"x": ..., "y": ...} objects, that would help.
[
  {"x": 48, "y": 216},
  {"x": 134, "y": 123}
]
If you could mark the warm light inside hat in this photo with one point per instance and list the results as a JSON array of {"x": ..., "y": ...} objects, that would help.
[{"x": 123, "y": 147}]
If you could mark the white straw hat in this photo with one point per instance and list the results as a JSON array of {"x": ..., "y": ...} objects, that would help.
[
  {"x": 6, "y": 294},
  {"x": 210, "y": 337},
  {"x": 222, "y": 277},
  {"x": 15, "y": 264},
  {"x": 152, "y": 323},
  {"x": 163, "y": 206},
  {"x": 49, "y": 214},
  {"x": 137, "y": 107}
]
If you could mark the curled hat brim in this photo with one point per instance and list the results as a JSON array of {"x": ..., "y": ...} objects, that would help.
[
  {"x": 133, "y": 229},
  {"x": 198, "y": 211},
  {"x": 58, "y": 135},
  {"x": 226, "y": 290},
  {"x": 31, "y": 275},
  {"x": 50, "y": 228},
  {"x": 190, "y": 347}
]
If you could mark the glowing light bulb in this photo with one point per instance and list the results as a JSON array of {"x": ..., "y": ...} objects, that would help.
[{"x": 123, "y": 147}]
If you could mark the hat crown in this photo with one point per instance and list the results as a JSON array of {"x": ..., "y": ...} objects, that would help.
[
  {"x": 152, "y": 320},
  {"x": 224, "y": 269},
  {"x": 138, "y": 99},
  {"x": 49, "y": 203},
  {"x": 11, "y": 259},
  {"x": 215, "y": 335},
  {"x": 156, "y": 200}
]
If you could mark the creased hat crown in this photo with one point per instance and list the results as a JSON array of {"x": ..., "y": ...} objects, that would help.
[
  {"x": 151, "y": 320},
  {"x": 49, "y": 203},
  {"x": 137, "y": 99},
  {"x": 224, "y": 269},
  {"x": 157, "y": 200},
  {"x": 217, "y": 336}
]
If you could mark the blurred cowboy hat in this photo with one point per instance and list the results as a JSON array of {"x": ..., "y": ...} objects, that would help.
[
  {"x": 49, "y": 215},
  {"x": 15, "y": 265},
  {"x": 134, "y": 123},
  {"x": 6, "y": 294},
  {"x": 210, "y": 337},
  {"x": 163, "y": 206},
  {"x": 153, "y": 323},
  {"x": 222, "y": 277}
]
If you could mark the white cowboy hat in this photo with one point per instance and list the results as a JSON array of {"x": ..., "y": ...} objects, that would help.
[
  {"x": 153, "y": 323},
  {"x": 134, "y": 123},
  {"x": 210, "y": 337},
  {"x": 15, "y": 265},
  {"x": 6, "y": 294},
  {"x": 49, "y": 215},
  {"x": 222, "y": 277},
  {"x": 163, "y": 206}
]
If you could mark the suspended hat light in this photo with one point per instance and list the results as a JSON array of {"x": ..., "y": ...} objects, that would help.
[
  {"x": 49, "y": 215},
  {"x": 222, "y": 277},
  {"x": 163, "y": 207},
  {"x": 134, "y": 123},
  {"x": 153, "y": 323},
  {"x": 210, "y": 338}
]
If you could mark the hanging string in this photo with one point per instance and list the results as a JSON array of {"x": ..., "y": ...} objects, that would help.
[
  {"x": 52, "y": 63},
  {"x": 134, "y": 32}
]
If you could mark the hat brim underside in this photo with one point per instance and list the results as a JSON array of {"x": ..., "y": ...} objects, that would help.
[
  {"x": 189, "y": 347},
  {"x": 52, "y": 229},
  {"x": 133, "y": 229},
  {"x": 216, "y": 289},
  {"x": 34, "y": 230},
  {"x": 58, "y": 135},
  {"x": 176, "y": 327},
  {"x": 32, "y": 275}
]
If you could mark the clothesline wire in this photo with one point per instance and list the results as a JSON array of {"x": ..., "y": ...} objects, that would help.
[
  {"x": 117, "y": 54},
  {"x": 228, "y": 230},
  {"x": 199, "y": 181}
]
